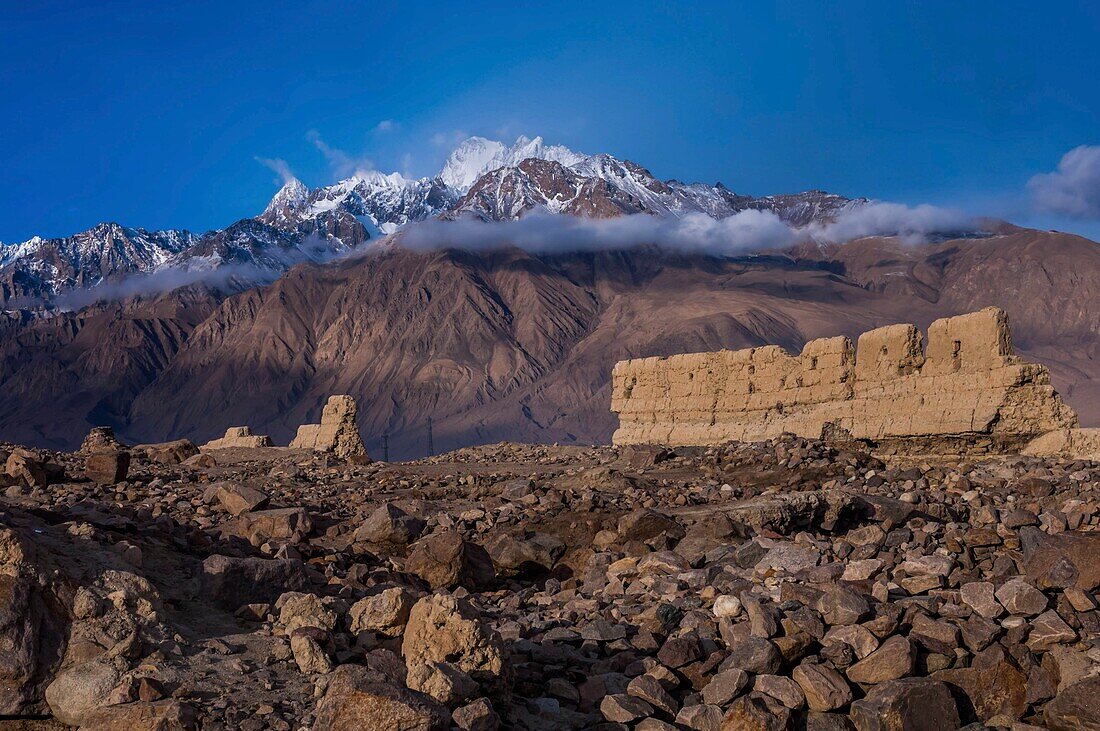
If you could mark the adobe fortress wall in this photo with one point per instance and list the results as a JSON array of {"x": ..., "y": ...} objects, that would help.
[{"x": 966, "y": 382}]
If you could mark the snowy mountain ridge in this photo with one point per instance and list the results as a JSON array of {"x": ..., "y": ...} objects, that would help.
[{"x": 481, "y": 178}]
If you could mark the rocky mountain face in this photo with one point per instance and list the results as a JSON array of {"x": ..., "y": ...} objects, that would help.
[
  {"x": 481, "y": 178},
  {"x": 508, "y": 344}
]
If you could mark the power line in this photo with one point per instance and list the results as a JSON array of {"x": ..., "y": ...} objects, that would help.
[
  {"x": 431, "y": 443},
  {"x": 386, "y": 446}
]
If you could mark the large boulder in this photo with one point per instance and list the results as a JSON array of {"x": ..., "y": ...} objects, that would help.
[
  {"x": 390, "y": 525},
  {"x": 284, "y": 525},
  {"x": 386, "y": 612},
  {"x": 534, "y": 554},
  {"x": 994, "y": 684},
  {"x": 174, "y": 452},
  {"x": 163, "y": 715},
  {"x": 32, "y": 629},
  {"x": 1060, "y": 561},
  {"x": 443, "y": 628},
  {"x": 231, "y": 582},
  {"x": 908, "y": 704},
  {"x": 107, "y": 466},
  {"x": 359, "y": 698},
  {"x": 23, "y": 465},
  {"x": 81, "y": 689},
  {"x": 1075, "y": 708},
  {"x": 239, "y": 499},
  {"x": 447, "y": 560}
]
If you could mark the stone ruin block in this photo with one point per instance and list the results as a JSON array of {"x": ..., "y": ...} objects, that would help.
[
  {"x": 337, "y": 433},
  {"x": 966, "y": 382},
  {"x": 239, "y": 437}
]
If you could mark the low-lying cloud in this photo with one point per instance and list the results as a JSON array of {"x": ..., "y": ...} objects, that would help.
[
  {"x": 546, "y": 232},
  {"x": 746, "y": 231},
  {"x": 1073, "y": 189},
  {"x": 911, "y": 224}
]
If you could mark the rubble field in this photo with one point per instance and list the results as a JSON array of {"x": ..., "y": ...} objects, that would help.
[{"x": 790, "y": 583}]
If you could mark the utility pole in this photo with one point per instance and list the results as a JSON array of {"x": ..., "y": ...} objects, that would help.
[
  {"x": 385, "y": 446},
  {"x": 431, "y": 444}
]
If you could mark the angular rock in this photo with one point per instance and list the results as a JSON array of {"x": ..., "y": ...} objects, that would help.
[
  {"x": 994, "y": 684},
  {"x": 754, "y": 655},
  {"x": 107, "y": 467},
  {"x": 444, "y": 681},
  {"x": 160, "y": 715},
  {"x": 307, "y": 646},
  {"x": 892, "y": 660},
  {"x": 725, "y": 686},
  {"x": 358, "y": 698},
  {"x": 279, "y": 524},
  {"x": 386, "y": 612},
  {"x": 240, "y": 499},
  {"x": 650, "y": 690},
  {"x": 908, "y": 704},
  {"x": 442, "y": 628},
  {"x": 233, "y": 582},
  {"x": 446, "y": 560},
  {"x": 1060, "y": 561},
  {"x": 644, "y": 524},
  {"x": 476, "y": 716},
  {"x": 622, "y": 708},
  {"x": 1076, "y": 708},
  {"x": 978, "y": 595},
  {"x": 389, "y": 524},
  {"x": 839, "y": 605},
  {"x": 751, "y": 713},
  {"x": 1019, "y": 597},
  {"x": 825, "y": 689}
]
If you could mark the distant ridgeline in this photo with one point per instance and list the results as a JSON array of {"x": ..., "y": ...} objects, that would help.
[{"x": 967, "y": 389}]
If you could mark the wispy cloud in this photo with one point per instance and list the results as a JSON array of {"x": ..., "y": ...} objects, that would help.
[
  {"x": 877, "y": 218},
  {"x": 343, "y": 164},
  {"x": 279, "y": 166},
  {"x": 386, "y": 125},
  {"x": 1073, "y": 189},
  {"x": 744, "y": 232},
  {"x": 547, "y": 233}
]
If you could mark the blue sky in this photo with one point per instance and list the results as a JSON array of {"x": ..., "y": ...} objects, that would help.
[{"x": 154, "y": 116}]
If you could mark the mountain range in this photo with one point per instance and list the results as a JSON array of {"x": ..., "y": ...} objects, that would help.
[
  {"x": 320, "y": 297},
  {"x": 481, "y": 178}
]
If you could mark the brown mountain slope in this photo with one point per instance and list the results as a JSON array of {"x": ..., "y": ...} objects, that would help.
[{"x": 509, "y": 345}]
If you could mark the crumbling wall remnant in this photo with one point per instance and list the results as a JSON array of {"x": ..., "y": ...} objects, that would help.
[
  {"x": 239, "y": 436},
  {"x": 337, "y": 433},
  {"x": 966, "y": 381}
]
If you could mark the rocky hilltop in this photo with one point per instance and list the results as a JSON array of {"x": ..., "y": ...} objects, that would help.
[{"x": 788, "y": 583}]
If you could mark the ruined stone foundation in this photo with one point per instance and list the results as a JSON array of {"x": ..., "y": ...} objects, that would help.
[{"x": 966, "y": 383}]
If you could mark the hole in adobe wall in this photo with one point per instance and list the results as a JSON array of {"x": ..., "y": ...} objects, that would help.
[
  {"x": 813, "y": 362},
  {"x": 752, "y": 388},
  {"x": 752, "y": 370},
  {"x": 885, "y": 350}
]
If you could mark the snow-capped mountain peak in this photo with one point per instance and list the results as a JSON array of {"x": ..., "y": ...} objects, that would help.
[
  {"x": 476, "y": 156},
  {"x": 291, "y": 197}
]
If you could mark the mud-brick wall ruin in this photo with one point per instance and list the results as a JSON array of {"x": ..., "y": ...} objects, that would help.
[{"x": 966, "y": 382}]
